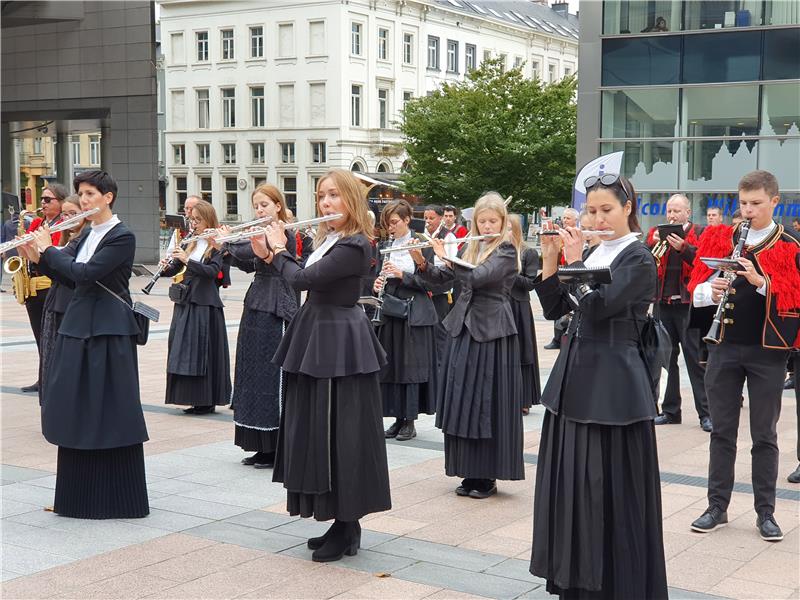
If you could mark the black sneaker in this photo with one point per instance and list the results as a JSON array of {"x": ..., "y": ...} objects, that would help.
[
  {"x": 466, "y": 487},
  {"x": 667, "y": 419},
  {"x": 407, "y": 432},
  {"x": 484, "y": 489},
  {"x": 711, "y": 519},
  {"x": 768, "y": 528},
  {"x": 553, "y": 345},
  {"x": 794, "y": 476},
  {"x": 789, "y": 384},
  {"x": 393, "y": 429},
  {"x": 706, "y": 425}
]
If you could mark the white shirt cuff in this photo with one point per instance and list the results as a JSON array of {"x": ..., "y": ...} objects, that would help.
[
  {"x": 763, "y": 289},
  {"x": 702, "y": 296}
]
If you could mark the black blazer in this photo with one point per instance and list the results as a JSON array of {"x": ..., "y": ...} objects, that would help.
[
  {"x": 203, "y": 279},
  {"x": 422, "y": 312},
  {"x": 483, "y": 305},
  {"x": 525, "y": 279},
  {"x": 93, "y": 311},
  {"x": 600, "y": 375}
]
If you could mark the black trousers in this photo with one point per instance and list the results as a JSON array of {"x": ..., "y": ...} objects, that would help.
[
  {"x": 35, "y": 307},
  {"x": 675, "y": 318},
  {"x": 797, "y": 398},
  {"x": 729, "y": 365}
]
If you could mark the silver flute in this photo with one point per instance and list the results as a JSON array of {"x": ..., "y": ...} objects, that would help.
[
  {"x": 585, "y": 232},
  {"x": 463, "y": 240},
  {"x": 63, "y": 225},
  {"x": 244, "y": 235}
]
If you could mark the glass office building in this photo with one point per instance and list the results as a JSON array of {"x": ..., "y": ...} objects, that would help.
[{"x": 696, "y": 94}]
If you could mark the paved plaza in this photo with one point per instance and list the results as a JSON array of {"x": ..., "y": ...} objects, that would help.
[{"x": 218, "y": 529}]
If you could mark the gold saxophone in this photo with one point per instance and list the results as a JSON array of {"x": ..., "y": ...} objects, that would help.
[{"x": 22, "y": 283}]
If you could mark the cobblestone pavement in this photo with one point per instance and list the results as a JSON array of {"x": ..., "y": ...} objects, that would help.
[{"x": 218, "y": 529}]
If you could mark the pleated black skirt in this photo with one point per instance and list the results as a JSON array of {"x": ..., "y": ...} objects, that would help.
[
  {"x": 480, "y": 409},
  {"x": 101, "y": 484},
  {"x": 255, "y": 440},
  {"x": 331, "y": 454},
  {"x": 529, "y": 355},
  {"x": 214, "y": 386},
  {"x": 51, "y": 321},
  {"x": 597, "y": 529}
]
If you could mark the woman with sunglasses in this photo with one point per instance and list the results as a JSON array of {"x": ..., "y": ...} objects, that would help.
[{"x": 597, "y": 529}]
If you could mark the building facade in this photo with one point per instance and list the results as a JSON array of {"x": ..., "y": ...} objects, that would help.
[
  {"x": 696, "y": 93},
  {"x": 282, "y": 92}
]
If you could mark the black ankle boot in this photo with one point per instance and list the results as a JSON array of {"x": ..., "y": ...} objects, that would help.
[
  {"x": 341, "y": 541},
  {"x": 317, "y": 542}
]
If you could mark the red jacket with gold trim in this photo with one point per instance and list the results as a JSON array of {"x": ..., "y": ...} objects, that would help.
[{"x": 687, "y": 256}]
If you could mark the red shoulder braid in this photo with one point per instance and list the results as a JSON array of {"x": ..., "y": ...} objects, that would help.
[
  {"x": 650, "y": 241},
  {"x": 716, "y": 241},
  {"x": 779, "y": 263}
]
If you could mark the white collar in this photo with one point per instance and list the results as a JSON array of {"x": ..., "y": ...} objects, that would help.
[
  {"x": 102, "y": 228},
  {"x": 317, "y": 254}
]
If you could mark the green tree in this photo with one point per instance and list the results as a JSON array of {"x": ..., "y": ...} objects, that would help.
[{"x": 493, "y": 131}]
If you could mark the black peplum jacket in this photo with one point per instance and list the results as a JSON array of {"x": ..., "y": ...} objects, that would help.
[
  {"x": 203, "y": 279},
  {"x": 330, "y": 336},
  {"x": 422, "y": 312},
  {"x": 483, "y": 305},
  {"x": 92, "y": 310},
  {"x": 600, "y": 375},
  {"x": 524, "y": 281},
  {"x": 269, "y": 292}
]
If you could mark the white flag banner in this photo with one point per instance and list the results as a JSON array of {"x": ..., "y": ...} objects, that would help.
[{"x": 608, "y": 163}]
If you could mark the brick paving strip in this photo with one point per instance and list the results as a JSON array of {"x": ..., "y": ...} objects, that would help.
[{"x": 218, "y": 529}]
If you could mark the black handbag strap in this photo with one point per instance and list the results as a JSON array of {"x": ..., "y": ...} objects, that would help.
[
  {"x": 113, "y": 293},
  {"x": 137, "y": 308}
]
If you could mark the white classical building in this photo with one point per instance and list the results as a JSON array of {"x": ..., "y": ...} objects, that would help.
[{"x": 282, "y": 91}]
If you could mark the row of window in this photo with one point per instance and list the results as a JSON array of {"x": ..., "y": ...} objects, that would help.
[
  {"x": 722, "y": 57},
  {"x": 288, "y": 186},
  {"x": 258, "y": 153},
  {"x": 94, "y": 151},
  {"x": 654, "y": 16}
]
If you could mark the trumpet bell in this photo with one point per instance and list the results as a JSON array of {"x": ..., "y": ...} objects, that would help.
[{"x": 12, "y": 265}]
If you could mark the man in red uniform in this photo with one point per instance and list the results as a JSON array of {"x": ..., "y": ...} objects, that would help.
[{"x": 451, "y": 224}]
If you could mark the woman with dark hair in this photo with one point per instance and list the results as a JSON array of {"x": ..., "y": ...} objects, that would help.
[
  {"x": 59, "y": 295},
  {"x": 597, "y": 507},
  {"x": 269, "y": 305},
  {"x": 331, "y": 455},
  {"x": 91, "y": 408},
  {"x": 198, "y": 361},
  {"x": 408, "y": 381}
]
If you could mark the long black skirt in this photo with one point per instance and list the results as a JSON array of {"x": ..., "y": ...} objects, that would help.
[
  {"x": 258, "y": 384},
  {"x": 597, "y": 511},
  {"x": 529, "y": 355},
  {"x": 480, "y": 409},
  {"x": 101, "y": 484},
  {"x": 51, "y": 321},
  {"x": 214, "y": 386},
  {"x": 408, "y": 380},
  {"x": 331, "y": 454}
]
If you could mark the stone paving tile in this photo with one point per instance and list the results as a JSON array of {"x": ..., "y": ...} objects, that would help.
[
  {"x": 468, "y": 582},
  {"x": 226, "y": 496},
  {"x": 439, "y": 554},
  {"x": 322, "y": 583},
  {"x": 199, "y": 563},
  {"x": 732, "y": 587},
  {"x": 261, "y": 519},
  {"x": 698, "y": 572},
  {"x": 46, "y": 482},
  {"x": 168, "y": 520},
  {"x": 16, "y": 474},
  {"x": 452, "y": 595},
  {"x": 389, "y": 588},
  {"x": 495, "y": 544},
  {"x": 198, "y": 508},
  {"x": 9, "y": 508},
  {"x": 173, "y": 486},
  {"x": 127, "y": 585},
  {"x": 24, "y": 561},
  {"x": 394, "y": 525},
  {"x": 732, "y": 543},
  {"x": 365, "y": 560},
  {"x": 257, "y": 539},
  {"x": 515, "y": 569},
  {"x": 770, "y": 567},
  {"x": 30, "y": 494},
  {"x": 65, "y": 543}
]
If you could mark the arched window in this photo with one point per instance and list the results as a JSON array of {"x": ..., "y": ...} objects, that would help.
[
  {"x": 384, "y": 168},
  {"x": 356, "y": 167}
]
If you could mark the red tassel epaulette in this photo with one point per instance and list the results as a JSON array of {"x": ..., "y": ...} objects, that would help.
[
  {"x": 716, "y": 241},
  {"x": 779, "y": 263}
]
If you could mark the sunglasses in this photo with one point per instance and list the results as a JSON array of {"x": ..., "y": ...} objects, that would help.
[
  {"x": 48, "y": 199},
  {"x": 606, "y": 180}
]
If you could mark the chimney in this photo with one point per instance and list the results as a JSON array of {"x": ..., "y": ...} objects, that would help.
[{"x": 562, "y": 8}]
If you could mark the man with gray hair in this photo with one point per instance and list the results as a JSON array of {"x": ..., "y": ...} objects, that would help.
[
  {"x": 570, "y": 217},
  {"x": 675, "y": 259}
]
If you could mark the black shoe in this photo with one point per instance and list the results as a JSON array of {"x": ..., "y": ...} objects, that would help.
[
  {"x": 705, "y": 424},
  {"x": 407, "y": 432},
  {"x": 204, "y": 410},
  {"x": 317, "y": 542},
  {"x": 768, "y": 528},
  {"x": 667, "y": 419},
  {"x": 466, "y": 487},
  {"x": 711, "y": 519},
  {"x": 344, "y": 541},
  {"x": 794, "y": 476},
  {"x": 264, "y": 460},
  {"x": 250, "y": 460},
  {"x": 789, "y": 384},
  {"x": 484, "y": 489},
  {"x": 31, "y": 388},
  {"x": 190, "y": 411},
  {"x": 394, "y": 429},
  {"x": 553, "y": 345}
]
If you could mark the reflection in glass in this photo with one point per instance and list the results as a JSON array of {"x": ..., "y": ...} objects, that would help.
[
  {"x": 640, "y": 113},
  {"x": 641, "y": 16},
  {"x": 643, "y": 61},
  {"x": 649, "y": 165},
  {"x": 722, "y": 57},
  {"x": 782, "y": 12},
  {"x": 719, "y": 111},
  {"x": 782, "y": 53},
  {"x": 780, "y": 115},
  {"x": 723, "y": 13},
  {"x": 716, "y": 164}
]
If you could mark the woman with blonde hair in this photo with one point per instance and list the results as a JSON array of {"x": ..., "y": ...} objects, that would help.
[
  {"x": 479, "y": 407},
  {"x": 269, "y": 305},
  {"x": 331, "y": 455},
  {"x": 523, "y": 315},
  {"x": 198, "y": 362}
]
